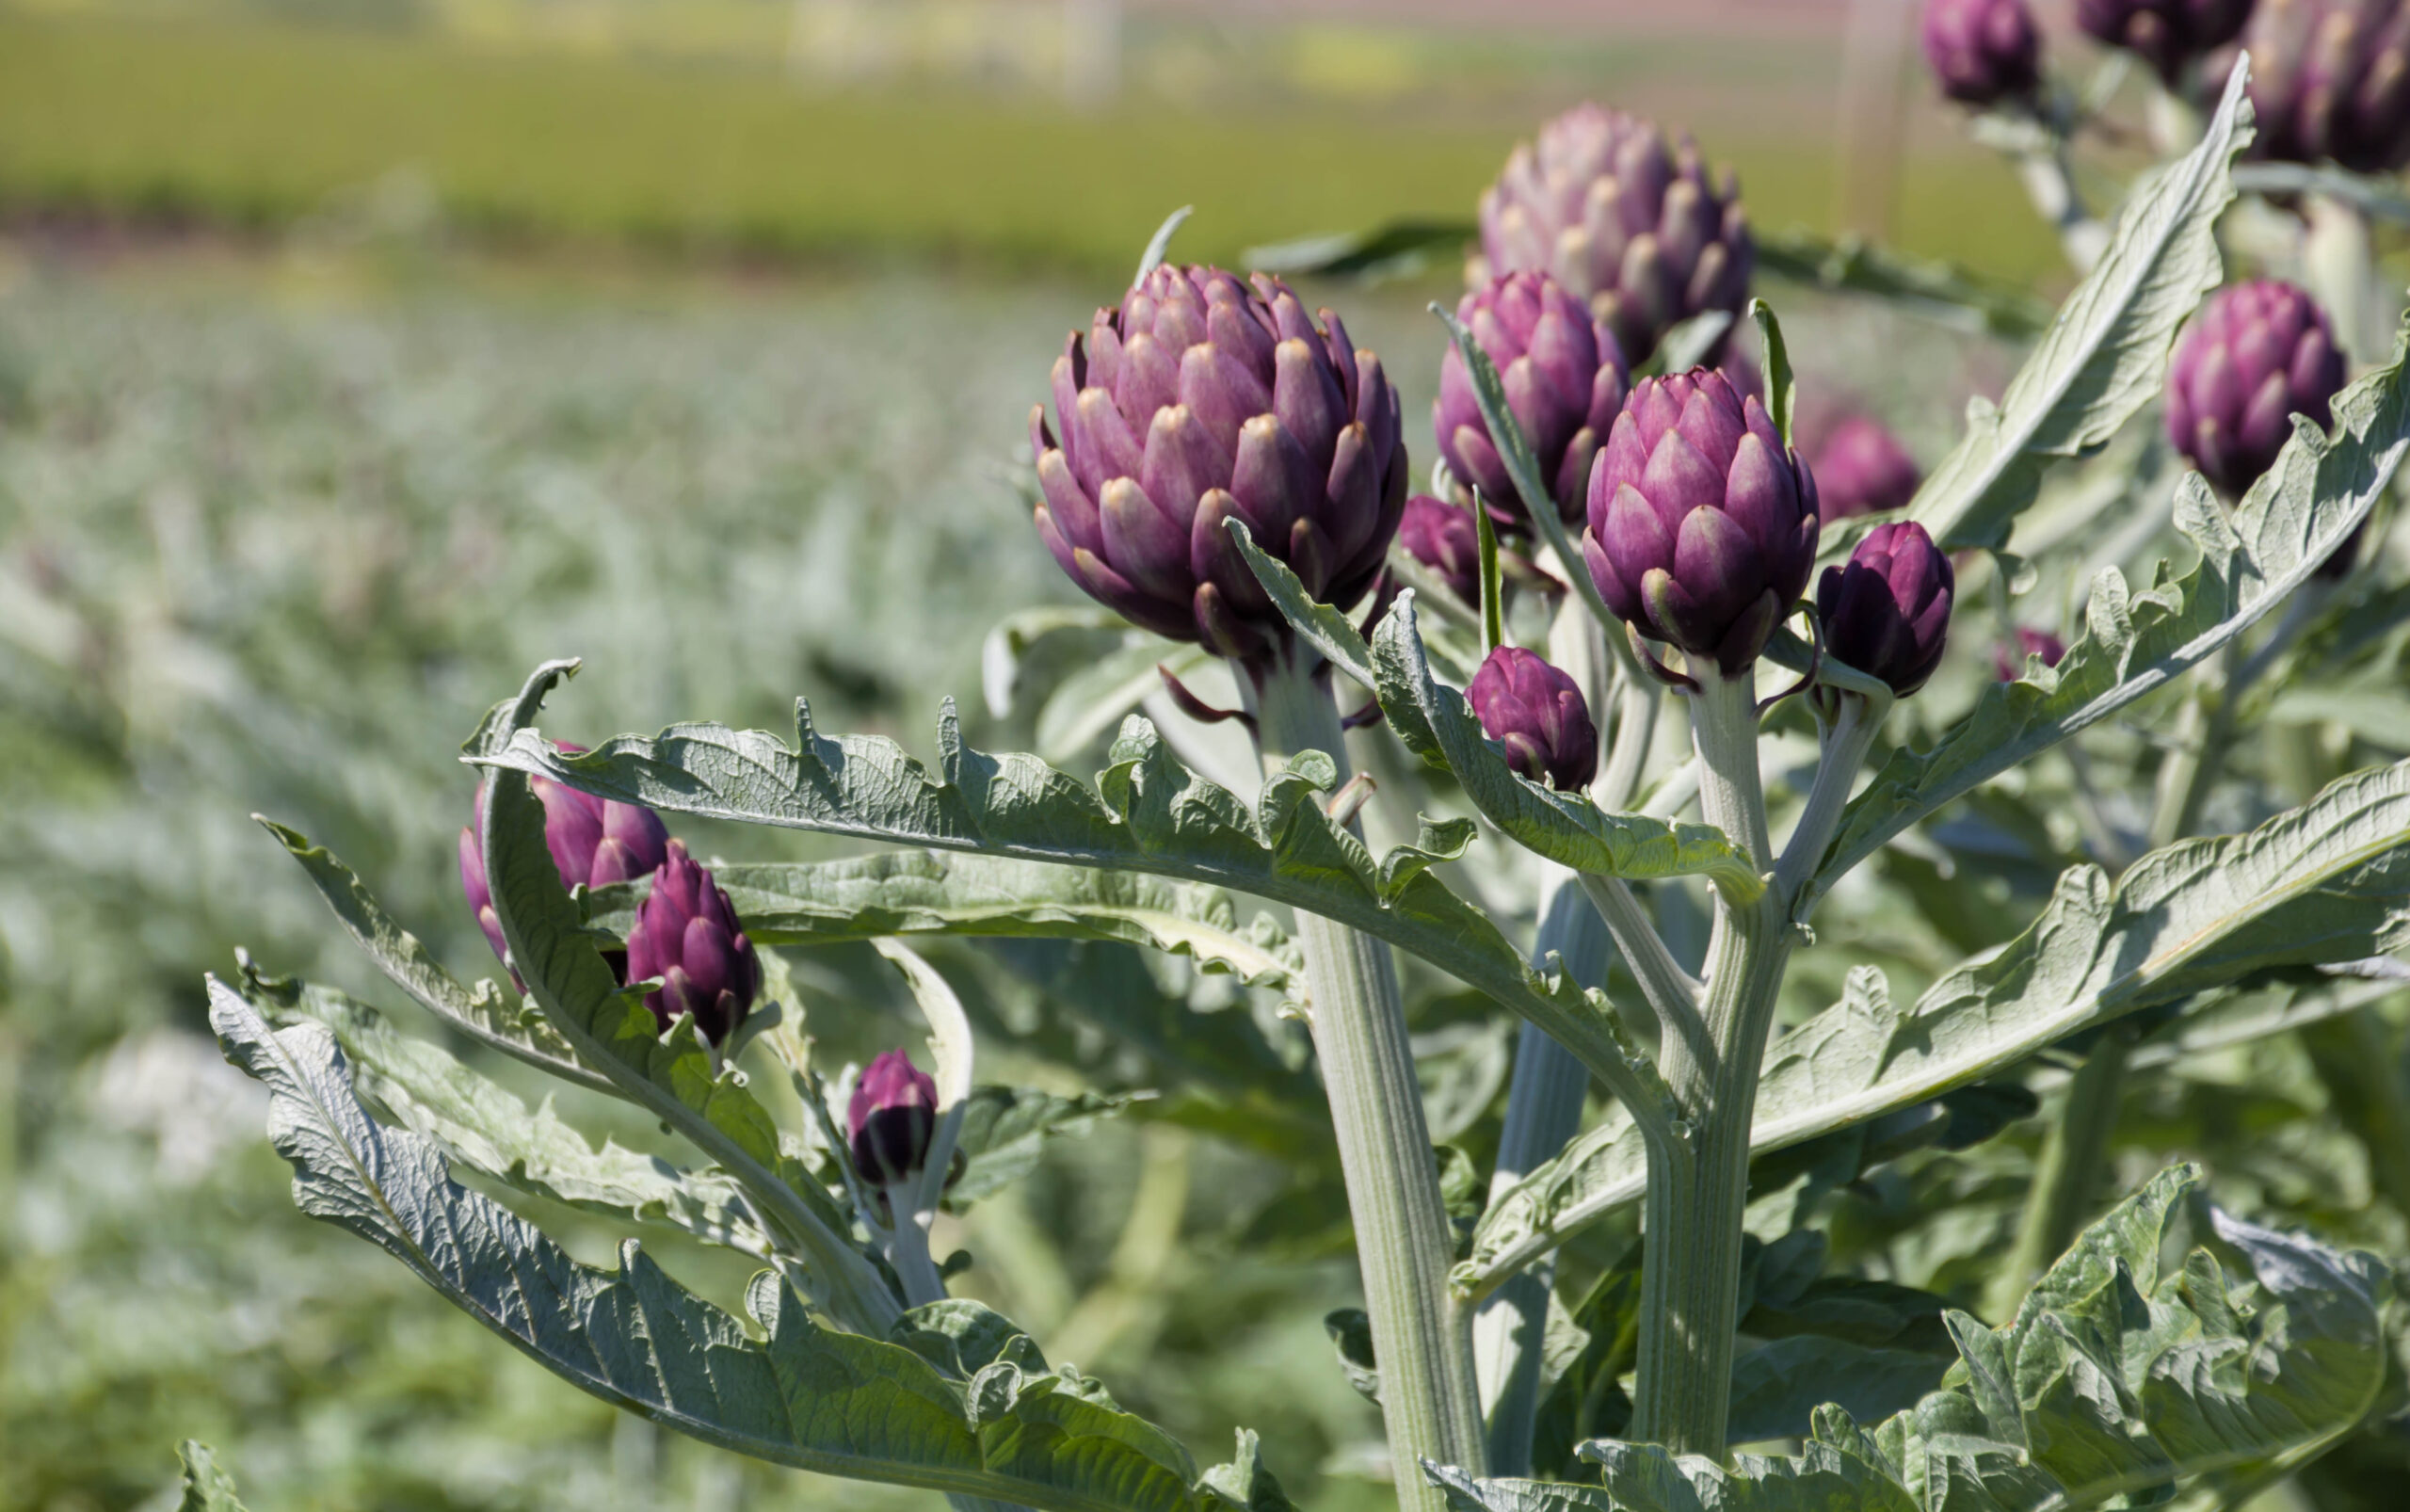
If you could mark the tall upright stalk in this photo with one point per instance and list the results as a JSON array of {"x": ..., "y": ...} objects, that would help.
[{"x": 1421, "y": 1339}]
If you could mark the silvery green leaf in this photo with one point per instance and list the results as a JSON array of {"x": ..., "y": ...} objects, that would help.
[
  {"x": 932, "y": 893},
  {"x": 2323, "y": 884},
  {"x": 1936, "y": 290},
  {"x": 207, "y": 1486},
  {"x": 2295, "y": 517},
  {"x": 476, "y": 1123},
  {"x": 1002, "y": 652},
  {"x": 1092, "y": 701},
  {"x": 802, "y": 1395},
  {"x": 2378, "y": 715},
  {"x": 1006, "y": 1129},
  {"x": 2105, "y": 354},
  {"x": 1317, "y": 624},
  {"x": 1244, "y": 1483},
  {"x": 483, "y": 1014},
  {"x": 1144, "y": 814}
]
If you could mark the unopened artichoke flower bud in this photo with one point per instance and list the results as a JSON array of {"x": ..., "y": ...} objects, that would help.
[
  {"x": 1886, "y": 612},
  {"x": 1861, "y": 468},
  {"x": 1564, "y": 378},
  {"x": 891, "y": 1119},
  {"x": 2330, "y": 80},
  {"x": 1702, "y": 522},
  {"x": 1444, "y": 538},
  {"x": 1983, "y": 51},
  {"x": 2256, "y": 354},
  {"x": 2009, "y": 661},
  {"x": 1537, "y": 711},
  {"x": 593, "y": 842},
  {"x": 2166, "y": 34},
  {"x": 1202, "y": 399},
  {"x": 686, "y": 935},
  {"x": 1606, "y": 205}
]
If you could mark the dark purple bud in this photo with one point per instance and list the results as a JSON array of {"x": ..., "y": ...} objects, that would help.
[
  {"x": 2010, "y": 661},
  {"x": 1564, "y": 378},
  {"x": 2330, "y": 80},
  {"x": 2257, "y": 354},
  {"x": 686, "y": 935},
  {"x": 1862, "y": 469},
  {"x": 1444, "y": 538},
  {"x": 1610, "y": 209},
  {"x": 1983, "y": 51},
  {"x": 593, "y": 842},
  {"x": 1536, "y": 713},
  {"x": 1200, "y": 400},
  {"x": 891, "y": 1119},
  {"x": 1702, "y": 522},
  {"x": 2166, "y": 34},
  {"x": 1886, "y": 611}
]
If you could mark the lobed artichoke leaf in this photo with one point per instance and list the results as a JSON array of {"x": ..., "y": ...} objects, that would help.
[
  {"x": 2298, "y": 514},
  {"x": 1146, "y": 814},
  {"x": 801, "y": 1395},
  {"x": 1317, "y": 624},
  {"x": 932, "y": 893},
  {"x": 2105, "y": 355},
  {"x": 1777, "y": 1387},
  {"x": 2114, "y": 1377},
  {"x": 2327, "y": 884},
  {"x": 207, "y": 1486},
  {"x": 485, "y": 1013},
  {"x": 476, "y": 1123}
]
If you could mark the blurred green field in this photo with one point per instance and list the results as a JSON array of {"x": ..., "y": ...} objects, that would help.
[{"x": 258, "y": 125}]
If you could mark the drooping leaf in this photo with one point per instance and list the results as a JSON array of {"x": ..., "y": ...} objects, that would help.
[
  {"x": 207, "y": 1486},
  {"x": 1146, "y": 814},
  {"x": 2295, "y": 517},
  {"x": 478, "y": 1124},
  {"x": 2327, "y": 882},
  {"x": 1244, "y": 1483},
  {"x": 2114, "y": 1378},
  {"x": 804, "y": 1395},
  {"x": 1777, "y": 1387},
  {"x": 2105, "y": 354}
]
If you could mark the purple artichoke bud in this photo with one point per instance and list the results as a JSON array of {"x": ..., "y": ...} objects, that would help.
[
  {"x": 593, "y": 841},
  {"x": 1564, "y": 380},
  {"x": 1199, "y": 400},
  {"x": 1886, "y": 611},
  {"x": 1702, "y": 522},
  {"x": 1536, "y": 713},
  {"x": 1444, "y": 538},
  {"x": 891, "y": 1119},
  {"x": 1983, "y": 51},
  {"x": 2330, "y": 80},
  {"x": 1862, "y": 469},
  {"x": 687, "y": 936},
  {"x": 2010, "y": 661},
  {"x": 2166, "y": 34},
  {"x": 1603, "y": 205},
  {"x": 2257, "y": 354}
]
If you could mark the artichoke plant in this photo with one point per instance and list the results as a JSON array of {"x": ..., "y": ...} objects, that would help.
[
  {"x": 1602, "y": 202},
  {"x": 2331, "y": 82},
  {"x": 686, "y": 935},
  {"x": 1564, "y": 378},
  {"x": 1861, "y": 468},
  {"x": 1538, "y": 715},
  {"x": 891, "y": 1119},
  {"x": 593, "y": 842},
  {"x": 1983, "y": 51},
  {"x": 1442, "y": 537},
  {"x": 1885, "y": 611},
  {"x": 2255, "y": 355}
]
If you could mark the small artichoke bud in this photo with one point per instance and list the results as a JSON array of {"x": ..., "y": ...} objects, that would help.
[
  {"x": 1611, "y": 210},
  {"x": 1201, "y": 399},
  {"x": 1886, "y": 611},
  {"x": 2009, "y": 661},
  {"x": 1862, "y": 469},
  {"x": 891, "y": 1119},
  {"x": 1537, "y": 711},
  {"x": 1445, "y": 539},
  {"x": 1984, "y": 52},
  {"x": 2257, "y": 354},
  {"x": 2166, "y": 34},
  {"x": 593, "y": 841},
  {"x": 1702, "y": 522},
  {"x": 2330, "y": 80},
  {"x": 1564, "y": 378},
  {"x": 686, "y": 935}
]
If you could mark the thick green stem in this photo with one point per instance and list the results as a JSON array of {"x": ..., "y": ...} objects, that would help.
[
  {"x": 2067, "y": 1177},
  {"x": 1421, "y": 1336},
  {"x": 907, "y": 1249}
]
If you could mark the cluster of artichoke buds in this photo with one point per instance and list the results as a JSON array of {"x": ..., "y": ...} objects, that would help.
[
  {"x": 1984, "y": 52},
  {"x": 1564, "y": 378}
]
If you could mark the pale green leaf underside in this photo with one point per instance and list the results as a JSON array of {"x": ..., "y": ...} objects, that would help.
[
  {"x": 1146, "y": 814},
  {"x": 2292, "y": 520},
  {"x": 2105, "y": 355},
  {"x": 835, "y": 1403},
  {"x": 2326, "y": 883},
  {"x": 2116, "y": 1377},
  {"x": 207, "y": 1486}
]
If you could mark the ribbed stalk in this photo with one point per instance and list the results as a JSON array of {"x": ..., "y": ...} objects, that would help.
[
  {"x": 1421, "y": 1341},
  {"x": 2067, "y": 1177}
]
